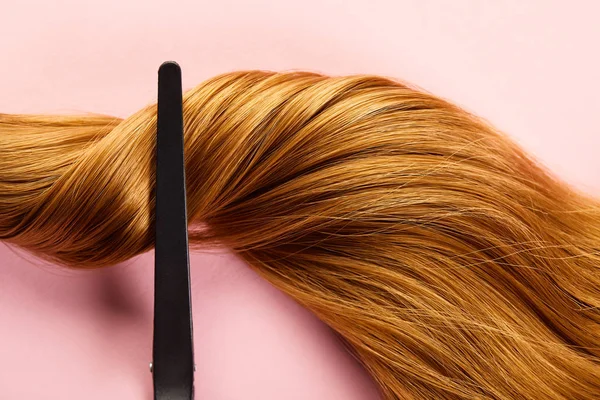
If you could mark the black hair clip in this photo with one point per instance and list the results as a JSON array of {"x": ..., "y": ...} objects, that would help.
[{"x": 172, "y": 364}]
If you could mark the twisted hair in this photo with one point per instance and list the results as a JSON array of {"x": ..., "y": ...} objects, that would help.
[{"x": 450, "y": 262}]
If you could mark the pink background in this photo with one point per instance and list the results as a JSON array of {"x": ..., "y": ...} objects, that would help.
[{"x": 530, "y": 67}]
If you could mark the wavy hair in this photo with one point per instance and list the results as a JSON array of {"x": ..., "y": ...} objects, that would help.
[{"x": 452, "y": 264}]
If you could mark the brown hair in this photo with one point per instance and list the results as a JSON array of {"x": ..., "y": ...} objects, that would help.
[{"x": 452, "y": 264}]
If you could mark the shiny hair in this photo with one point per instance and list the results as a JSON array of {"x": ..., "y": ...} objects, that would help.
[{"x": 452, "y": 264}]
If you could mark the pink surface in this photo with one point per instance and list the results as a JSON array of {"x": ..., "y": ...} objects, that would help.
[{"x": 530, "y": 67}]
